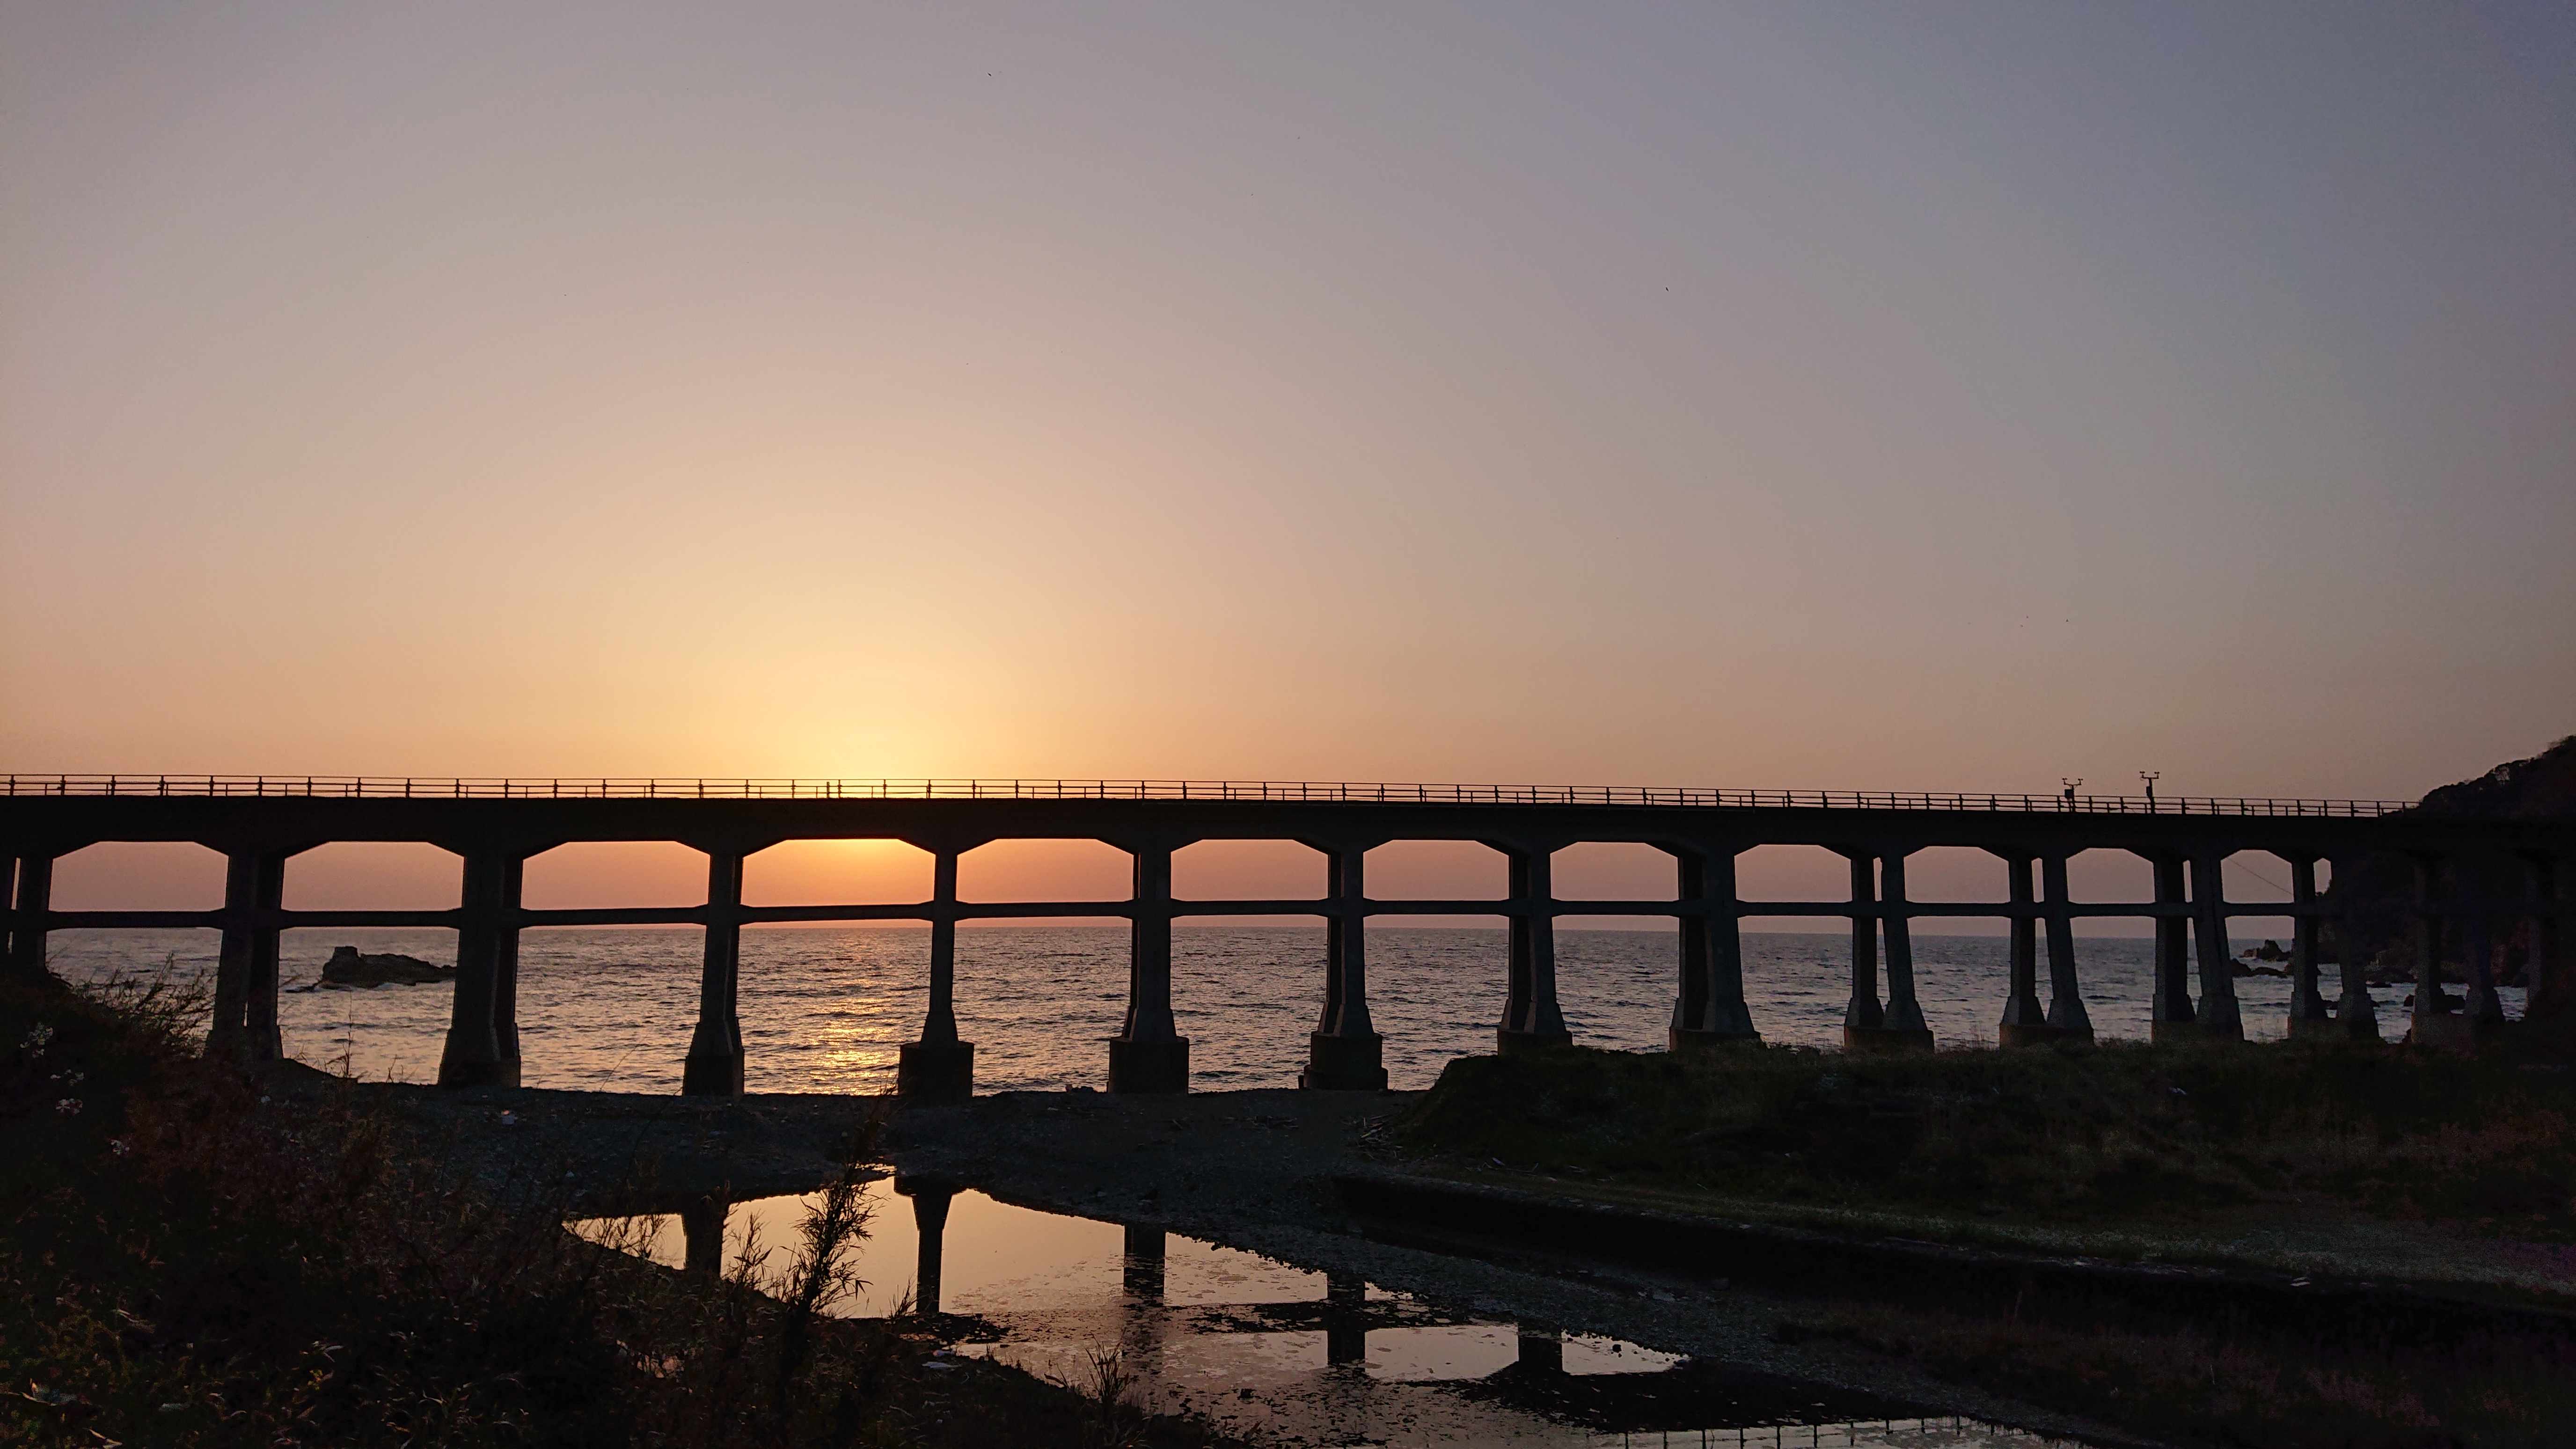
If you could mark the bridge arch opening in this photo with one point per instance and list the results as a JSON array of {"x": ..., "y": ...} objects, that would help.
[
  {"x": 615, "y": 875},
  {"x": 139, "y": 875},
  {"x": 2111, "y": 877},
  {"x": 1250, "y": 870},
  {"x": 837, "y": 873},
  {"x": 1036, "y": 870},
  {"x": 375, "y": 875},
  {"x": 1435, "y": 870}
]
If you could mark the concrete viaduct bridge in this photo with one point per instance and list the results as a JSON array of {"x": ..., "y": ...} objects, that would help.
[{"x": 258, "y": 823}]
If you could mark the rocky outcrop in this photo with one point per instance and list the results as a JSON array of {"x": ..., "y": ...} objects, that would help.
[{"x": 347, "y": 967}]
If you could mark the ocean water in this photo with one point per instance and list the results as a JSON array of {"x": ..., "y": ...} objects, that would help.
[{"x": 823, "y": 1010}]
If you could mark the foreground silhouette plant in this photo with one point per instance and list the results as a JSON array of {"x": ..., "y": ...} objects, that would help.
[{"x": 195, "y": 1254}]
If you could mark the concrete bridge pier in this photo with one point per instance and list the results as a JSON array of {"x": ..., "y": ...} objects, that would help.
[
  {"x": 2219, "y": 1018},
  {"x": 702, "y": 1226},
  {"x": 1531, "y": 1019},
  {"x": 2025, "y": 1022},
  {"x": 1540, "y": 1350},
  {"x": 2066, "y": 1014},
  {"x": 2356, "y": 1017},
  {"x": 2172, "y": 1017},
  {"x": 244, "y": 1027},
  {"x": 2308, "y": 1019},
  {"x": 1345, "y": 1052},
  {"x": 713, "y": 1067},
  {"x": 1709, "y": 1010},
  {"x": 939, "y": 1067},
  {"x": 1345, "y": 1327},
  {"x": 2550, "y": 998},
  {"x": 1144, "y": 1265},
  {"x": 30, "y": 896},
  {"x": 1148, "y": 1055},
  {"x": 487, "y": 949},
  {"x": 2432, "y": 1022},
  {"x": 2483, "y": 1008},
  {"x": 930, "y": 1199},
  {"x": 1866, "y": 1027},
  {"x": 1901, "y": 1024}
]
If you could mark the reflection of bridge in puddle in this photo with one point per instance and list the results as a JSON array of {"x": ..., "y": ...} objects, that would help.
[{"x": 1301, "y": 1356}]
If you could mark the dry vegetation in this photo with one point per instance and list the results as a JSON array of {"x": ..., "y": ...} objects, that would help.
[{"x": 185, "y": 1264}]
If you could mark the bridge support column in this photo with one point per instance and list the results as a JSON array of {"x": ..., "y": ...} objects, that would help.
[
  {"x": 245, "y": 1018},
  {"x": 2219, "y": 1018},
  {"x": 1540, "y": 1351},
  {"x": 486, "y": 948},
  {"x": 939, "y": 1067},
  {"x": 702, "y": 1226},
  {"x": 2356, "y": 1017},
  {"x": 2434, "y": 1024},
  {"x": 30, "y": 898},
  {"x": 1148, "y": 1055},
  {"x": 2308, "y": 1019},
  {"x": 2024, "y": 1022},
  {"x": 1145, "y": 1264},
  {"x": 2484, "y": 1009},
  {"x": 2551, "y": 1004},
  {"x": 713, "y": 1067},
  {"x": 1345, "y": 1319},
  {"x": 1866, "y": 1025},
  {"x": 1901, "y": 1026},
  {"x": 1345, "y": 1053},
  {"x": 1709, "y": 1009},
  {"x": 930, "y": 1199},
  {"x": 2066, "y": 1014},
  {"x": 2171, "y": 1015},
  {"x": 1531, "y": 1019}
]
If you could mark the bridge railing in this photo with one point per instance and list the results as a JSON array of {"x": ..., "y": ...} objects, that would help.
[{"x": 372, "y": 787}]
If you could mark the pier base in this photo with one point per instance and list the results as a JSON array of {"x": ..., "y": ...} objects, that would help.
[
  {"x": 927, "y": 1074},
  {"x": 705, "y": 1074},
  {"x": 1508, "y": 1042},
  {"x": 1149, "y": 1066},
  {"x": 1344, "y": 1064},
  {"x": 2040, "y": 1034},
  {"x": 1886, "y": 1040},
  {"x": 1687, "y": 1042},
  {"x": 2169, "y": 1033},
  {"x": 2324, "y": 1028},
  {"x": 2452, "y": 1031},
  {"x": 478, "y": 1074}
]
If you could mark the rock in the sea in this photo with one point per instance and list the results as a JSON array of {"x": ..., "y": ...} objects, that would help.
[{"x": 349, "y": 968}]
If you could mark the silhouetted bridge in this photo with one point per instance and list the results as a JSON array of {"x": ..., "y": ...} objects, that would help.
[{"x": 496, "y": 825}]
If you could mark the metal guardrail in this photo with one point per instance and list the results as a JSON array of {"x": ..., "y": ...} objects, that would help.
[{"x": 354, "y": 787}]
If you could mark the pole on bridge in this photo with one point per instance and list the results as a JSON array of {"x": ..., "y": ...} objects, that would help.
[
  {"x": 1148, "y": 1055},
  {"x": 487, "y": 949},
  {"x": 713, "y": 1067},
  {"x": 1345, "y": 1052},
  {"x": 2024, "y": 1022},
  {"x": 245, "y": 1016},
  {"x": 939, "y": 1067},
  {"x": 30, "y": 897},
  {"x": 2171, "y": 1015},
  {"x": 2066, "y": 1014},
  {"x": 1531, "y": 1019},
  {"x": 2219, "y": 1018},
  {"x": 1709, "y": 1010}
]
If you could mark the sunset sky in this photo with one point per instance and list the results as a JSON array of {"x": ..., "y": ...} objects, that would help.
[{"x": 1917, "y": 397}]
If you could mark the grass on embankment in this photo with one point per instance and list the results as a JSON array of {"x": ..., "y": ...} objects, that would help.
[
  {"x": 2076, "y": 1135},
  {"x": 2102, "y": 1145},
  {"x": 183, "y": 1262}
]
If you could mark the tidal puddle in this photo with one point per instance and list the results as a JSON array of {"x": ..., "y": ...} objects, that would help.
[{"x": 1258, "y": 1345}]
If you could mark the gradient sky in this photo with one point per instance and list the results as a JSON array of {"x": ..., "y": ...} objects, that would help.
[{"x": 1919, "y": 397}]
